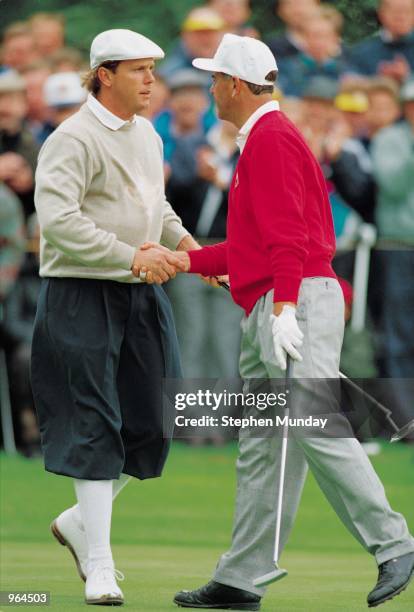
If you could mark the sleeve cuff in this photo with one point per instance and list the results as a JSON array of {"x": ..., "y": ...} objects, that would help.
[
  {"x": 123, "y": 255},
  {"x": 286, "y": 289},
  {"x": 197, "y": 262},
  {"x": 173, "y": 234}
]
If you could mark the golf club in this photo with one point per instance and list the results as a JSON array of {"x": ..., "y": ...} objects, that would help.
[
  {"x": 278, "y": 573},
  {"x": 399, "y": 432}
]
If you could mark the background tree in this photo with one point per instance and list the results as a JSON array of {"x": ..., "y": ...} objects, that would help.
[{"x": 161, "y": 19}]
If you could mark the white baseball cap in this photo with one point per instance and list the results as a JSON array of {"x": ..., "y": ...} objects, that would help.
[
  {"x": 241, "y": 56},
  {"x": 122, "y": 45},
  {"x": 407, "y": 91},
  {"x": 64, "y": 89}
]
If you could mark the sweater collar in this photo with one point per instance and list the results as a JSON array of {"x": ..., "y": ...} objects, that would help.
[
  {"x": 247, "y": 127},
  {"x": 105, "y": 116}
]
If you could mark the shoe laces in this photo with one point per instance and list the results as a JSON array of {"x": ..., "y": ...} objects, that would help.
[
  {"x": 105, "y": 570},
  {"x": 385, "y": 569}
]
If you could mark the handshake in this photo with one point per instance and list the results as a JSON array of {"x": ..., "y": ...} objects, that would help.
[{"x": 154, "y": 263}]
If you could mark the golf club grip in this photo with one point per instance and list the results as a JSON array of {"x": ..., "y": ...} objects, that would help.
[{"x": 223, "y": 284}]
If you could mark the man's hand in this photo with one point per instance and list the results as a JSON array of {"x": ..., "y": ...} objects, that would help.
[
  {"x": 398, "y": 69},
  {"x": 286, "y": 335},
  {"x": 206, "y": 168},
  {"x": 214, "y": 281},
  {"x": 180, "y": 256},
  {"x": 159, "y": 263},
  {"x": 335, "y": 138},
  {"x": 16, "y": 172}
]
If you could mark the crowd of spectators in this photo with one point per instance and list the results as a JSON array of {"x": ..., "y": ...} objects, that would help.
[{"x": 353, "y": 104}]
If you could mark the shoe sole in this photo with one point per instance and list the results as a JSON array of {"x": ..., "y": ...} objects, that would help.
[
  {"x": 105, "y": 601},
  {"x": 392, "y": 595},
  {"x": 250, "y": 606},
  {"x": 59, "y": 537}
]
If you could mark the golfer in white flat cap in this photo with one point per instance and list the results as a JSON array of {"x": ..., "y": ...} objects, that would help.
[
  {"x": 278, "y": 252},
  {"x": 104, "y": 334}
]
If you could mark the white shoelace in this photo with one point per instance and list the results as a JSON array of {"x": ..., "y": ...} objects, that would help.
[{"x": 103, "y": 573}]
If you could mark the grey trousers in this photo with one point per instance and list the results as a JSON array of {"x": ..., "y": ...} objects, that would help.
[{"x": 340, "y": 465}]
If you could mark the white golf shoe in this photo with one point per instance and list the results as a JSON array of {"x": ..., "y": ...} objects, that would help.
[
  {"x": 102, "y": 588},
  {"x": 69, "y": 532}
]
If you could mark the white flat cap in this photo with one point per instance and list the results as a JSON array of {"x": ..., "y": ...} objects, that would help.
[
  {"x": 241, "y": 56},
  {"x": 64, "y": 89},
  {"x": 122, "y": 45}
]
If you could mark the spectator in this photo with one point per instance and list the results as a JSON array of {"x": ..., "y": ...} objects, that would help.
[
  {"x": 393, "y": 157},
  {"x": 384, "y": 104},
  {"x": 64, "y": 95},
  {"x": 295, "y": 14},
  {"x": 213, "y": 351},
  {"x": 236, "y": 15},
  {"x": 12, "y": 244},
  {"x": 18, "y": 320},
  {"x": 319, "y": 111},
  {"x": 48, "y": 30},
  {"x": 294, "y": 109},
  {"x": 353, "y": 103},
  {"x": 321, "y": 119},
  {"x": 348, "y": 151},
  {"x": 18, "y": 150},
  {"x": 66, "y": 59},
  {"x": 18, "y": 48},
  {"x": 346, "y": 148},
  {"x": 201, "y": 33},
  {"x": 322, "y": 54},
  {"x": 390, "y": 52},
  {"x": 183, "y": 129},
  {"x": 37, "y": 117},
  {"x": 393, "y": 161}
]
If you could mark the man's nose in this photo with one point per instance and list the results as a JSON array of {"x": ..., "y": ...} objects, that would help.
[{"x": 150, "y": 77}]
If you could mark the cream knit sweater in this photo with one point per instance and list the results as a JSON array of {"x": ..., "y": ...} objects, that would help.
[{"x": 100, "y": 195}]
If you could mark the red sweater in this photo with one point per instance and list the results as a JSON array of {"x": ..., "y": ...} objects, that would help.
[{"x": 279, "y": 224}]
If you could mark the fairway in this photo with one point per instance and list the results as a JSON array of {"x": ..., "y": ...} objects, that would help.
[{"x": 168, "y": 534}]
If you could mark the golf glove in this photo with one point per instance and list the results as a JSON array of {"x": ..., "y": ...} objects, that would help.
[{"x": 286, "y": 336}]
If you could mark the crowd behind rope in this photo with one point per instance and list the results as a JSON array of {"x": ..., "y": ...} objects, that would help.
[{"x": 353, "y": 104}]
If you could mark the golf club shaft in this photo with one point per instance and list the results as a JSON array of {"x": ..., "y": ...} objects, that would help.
[{"x": 282, "y": 465}]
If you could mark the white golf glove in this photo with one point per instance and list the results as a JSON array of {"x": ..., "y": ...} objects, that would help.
[{"x": 286, "y": 335}]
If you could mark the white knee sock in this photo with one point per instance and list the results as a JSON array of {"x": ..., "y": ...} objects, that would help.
[
  {"x": 95, "y": 503},
  {"x": 117, "y": 486}
]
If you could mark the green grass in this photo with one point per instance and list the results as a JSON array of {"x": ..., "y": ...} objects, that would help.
[{"x": 168, "y": 533}]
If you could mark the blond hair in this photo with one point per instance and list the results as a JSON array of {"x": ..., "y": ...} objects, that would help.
[
  {"x": 328, "y": 13},
  {"x": 39, "y": 17},
  {"x": 18, "y": 28},
  {"x": 91, "y": 80}
]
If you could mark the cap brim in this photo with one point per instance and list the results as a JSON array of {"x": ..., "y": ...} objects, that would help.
[{"x": 207, "y": 64}]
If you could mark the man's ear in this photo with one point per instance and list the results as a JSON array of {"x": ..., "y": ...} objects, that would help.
[
  {"x": 104, "y": 76},
  {"x": 237, "y": 84}
]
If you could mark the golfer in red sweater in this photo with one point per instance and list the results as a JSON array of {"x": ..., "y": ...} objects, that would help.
[{"x": 278, "y": 252}]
